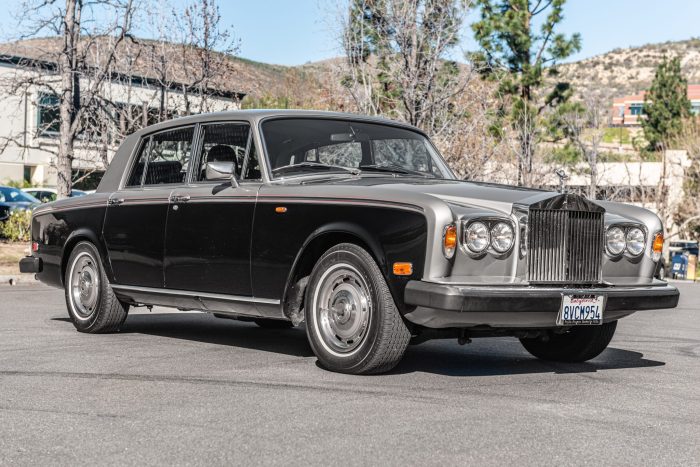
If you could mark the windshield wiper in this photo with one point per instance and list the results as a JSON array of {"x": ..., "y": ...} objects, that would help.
[
  {"x": 313, "y": 165},
  {"x": 393, "y": 169}
]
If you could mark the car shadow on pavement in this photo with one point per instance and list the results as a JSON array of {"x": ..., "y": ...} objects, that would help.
[
  {"x": 202, "y": 327},
  {"x": 505, "y": 356},
  {"x": 485, "y": 357}
]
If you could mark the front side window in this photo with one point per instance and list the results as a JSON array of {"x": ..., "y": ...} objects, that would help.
[
  {"x": 165, "y": 158},
  {"x": 223, "y": 153},
  {"x": 300, "y": 146}
]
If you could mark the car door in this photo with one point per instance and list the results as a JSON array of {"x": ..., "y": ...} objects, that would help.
[
  {"x": 134, "y": 228},
  {"x": 209, "y": 223}
]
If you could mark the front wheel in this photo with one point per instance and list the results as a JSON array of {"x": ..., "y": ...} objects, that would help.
[
  {"x": 579, "y": 344},
  {"x": 92, "y": 305},
  {"x": 352, "y": 322}
]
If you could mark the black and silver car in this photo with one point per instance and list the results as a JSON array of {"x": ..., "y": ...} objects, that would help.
[{"x": 354, "y": 226}]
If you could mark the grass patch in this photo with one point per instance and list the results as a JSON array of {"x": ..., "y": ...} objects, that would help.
[
  {"x": 10, "y": 254},
  {"x": 617, "y": 135}
]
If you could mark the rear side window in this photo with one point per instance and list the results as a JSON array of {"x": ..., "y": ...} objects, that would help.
[{"x": 165, "y": 158}]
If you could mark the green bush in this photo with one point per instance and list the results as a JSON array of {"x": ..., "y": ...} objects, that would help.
[{"x": 17, "y": 227}]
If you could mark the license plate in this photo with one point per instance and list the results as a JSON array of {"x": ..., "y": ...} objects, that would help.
[{"x": 581, "y": 310}]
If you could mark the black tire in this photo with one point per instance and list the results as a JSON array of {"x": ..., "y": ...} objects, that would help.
[
  {"x": 579, "y": 344},
  {"x": 107, "y": 313},
  {"x": 380, "y": 337},
  {"x": 273, "y": 323}
]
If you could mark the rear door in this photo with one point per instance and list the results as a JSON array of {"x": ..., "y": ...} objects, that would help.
[
  {"x": 134, "y": 229},
  {"x": 209, "y": 223}
]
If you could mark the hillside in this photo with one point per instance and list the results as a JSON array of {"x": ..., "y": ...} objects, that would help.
[
  {"x": 626, "y": 71},
  {"x": 616, "y": 73}
]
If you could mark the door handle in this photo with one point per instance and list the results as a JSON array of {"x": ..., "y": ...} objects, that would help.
[
  {"x": 115, "y": 201},
  {"x": 179, "y": 198}
]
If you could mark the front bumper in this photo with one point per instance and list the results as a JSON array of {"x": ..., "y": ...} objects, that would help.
[{"x": 444, "y": 305}]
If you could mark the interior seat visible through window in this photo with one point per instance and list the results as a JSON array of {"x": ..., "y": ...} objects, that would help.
[{"x": 227, "y": 148}]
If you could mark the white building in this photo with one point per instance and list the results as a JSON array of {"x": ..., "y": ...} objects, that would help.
[{"x": 137, "y": 94}]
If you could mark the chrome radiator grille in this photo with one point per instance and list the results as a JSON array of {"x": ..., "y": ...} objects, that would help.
[{"x": 565, "y": 246}]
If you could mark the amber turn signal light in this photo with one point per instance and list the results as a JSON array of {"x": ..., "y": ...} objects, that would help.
[
  {"x": 658, "y": 246},
  {"x": 449, "y": 241},
  {"x": 403, "y": 269},
  {"x": 280, "y": 209}
]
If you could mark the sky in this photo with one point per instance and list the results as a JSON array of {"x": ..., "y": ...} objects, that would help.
[{"x": 293, "y": 32}]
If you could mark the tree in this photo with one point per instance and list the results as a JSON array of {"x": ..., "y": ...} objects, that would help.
[
  {"x": 666, "y": 104},
  {"x": 519, "y": 54},
  {"x": 80, "y": 65},
  {"x": 398, "y": 59},
  {"x": 583, "y": 124}
]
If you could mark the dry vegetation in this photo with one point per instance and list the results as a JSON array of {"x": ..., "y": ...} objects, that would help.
[{"x": 10, "y": 254}]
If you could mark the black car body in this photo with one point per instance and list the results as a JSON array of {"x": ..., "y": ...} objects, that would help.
[{"x": 353, "y": 224}]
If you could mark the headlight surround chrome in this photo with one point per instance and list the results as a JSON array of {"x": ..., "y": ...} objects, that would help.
[
  {"x": 615, "y": 240},
  {"x": 477, "y": 237},
  {"x": 635, "y": 241},
  {"x": 502, "y": 237}
]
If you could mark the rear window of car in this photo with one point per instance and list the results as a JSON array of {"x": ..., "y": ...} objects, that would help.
[{"x": 164, "y": 156}]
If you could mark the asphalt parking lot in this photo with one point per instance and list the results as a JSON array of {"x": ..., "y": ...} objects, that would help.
[{"x": 188, "y": 388}]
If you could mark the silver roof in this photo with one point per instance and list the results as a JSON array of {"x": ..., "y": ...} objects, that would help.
[{"x": 256, "y": 115}]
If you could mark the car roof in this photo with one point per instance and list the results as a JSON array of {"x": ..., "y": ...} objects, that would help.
[{"x": 256, "y": 115}]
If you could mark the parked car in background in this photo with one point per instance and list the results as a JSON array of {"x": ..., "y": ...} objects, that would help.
[
  {"x": 356, "y": 226},
  {"x": 684, "y": 255},
  {"x": 46, "y": 195},
  {"x": 12, "y": 199}
]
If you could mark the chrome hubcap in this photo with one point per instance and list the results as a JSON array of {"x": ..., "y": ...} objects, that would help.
[
  {"x": 342, "y": 308},
  {"x": 84, "y": 285}
]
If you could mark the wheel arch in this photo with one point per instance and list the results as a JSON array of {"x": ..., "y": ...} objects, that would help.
[
  {"x": 76, "y": 237},
  {"x": 317, "y": 243}
]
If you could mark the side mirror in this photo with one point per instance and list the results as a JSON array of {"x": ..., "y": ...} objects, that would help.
[{"x": 219, "y": 170}]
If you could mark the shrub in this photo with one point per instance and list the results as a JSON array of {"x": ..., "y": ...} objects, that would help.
[{"x": 17, "y": 227}]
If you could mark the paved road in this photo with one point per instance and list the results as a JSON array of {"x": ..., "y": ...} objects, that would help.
[{"x": 187, "y": 388}]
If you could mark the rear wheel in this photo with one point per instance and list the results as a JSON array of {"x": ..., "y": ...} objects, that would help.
[
  {"x": 579, "y": 344},
  {"x": 92, "y": 305},
  {"x": 352, "y": 322}
]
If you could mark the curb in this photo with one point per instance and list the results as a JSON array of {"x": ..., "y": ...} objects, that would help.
[{"x": 17, "y": 279}]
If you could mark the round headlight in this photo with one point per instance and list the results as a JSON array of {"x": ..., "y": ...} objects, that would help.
[
  {"x": 615, "y": 241},
  {"x": 635, "y": 241},
  {"x": 476, "y": 237},
  {"x": 502, "y": 237}
]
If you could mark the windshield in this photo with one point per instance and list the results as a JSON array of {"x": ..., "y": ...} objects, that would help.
[
  {"x": 302, "y": 146},
  {"x": 13, "y": 195}
]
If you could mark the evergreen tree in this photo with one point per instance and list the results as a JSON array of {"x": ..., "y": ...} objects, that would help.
[
  {"x": 517, "y": 52},
  {"x": 666, "y": 104}
]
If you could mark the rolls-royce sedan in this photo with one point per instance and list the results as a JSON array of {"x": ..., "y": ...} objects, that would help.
[{"x": 352, "y": 225}]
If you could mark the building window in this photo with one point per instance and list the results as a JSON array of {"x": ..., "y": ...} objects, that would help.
[
  {"x": 695, "y": 108},
  {"x": 49, "y": 122},
  {"x": 637, "y": 109}
]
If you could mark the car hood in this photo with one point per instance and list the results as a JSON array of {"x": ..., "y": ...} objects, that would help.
[
  {"x": 453, "y": 192},
  {"x": 458, "y": 194}
]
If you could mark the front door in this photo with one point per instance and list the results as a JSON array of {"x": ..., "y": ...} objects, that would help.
[
  {"x": 134, "y": 228},
  {"x": 207, "y": 245}
]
